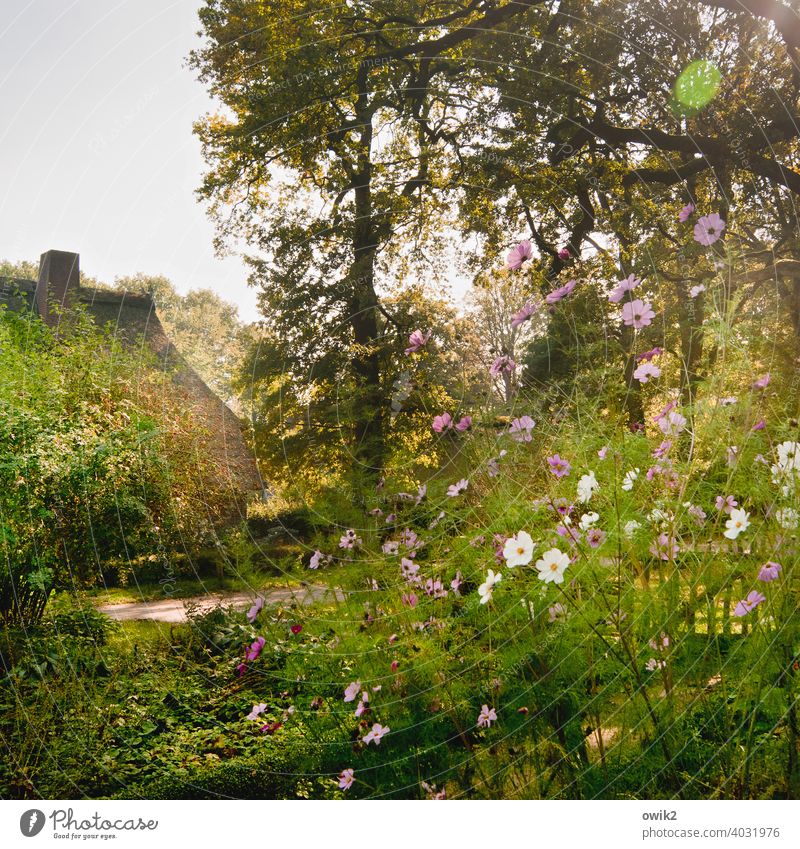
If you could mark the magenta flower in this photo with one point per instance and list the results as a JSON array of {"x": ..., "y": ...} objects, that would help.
[
  {"x": 762, "y": 382},
  {"x": 523, "y": 315},
  {"x": 563, "y": 254},
  {"x": 255, "y": 649},
  {"x": 409, "y": 570},
  {"x": 760, "y": 425},
  {"x": 626, "y": 285},
  {"x": 409, "y": 599},
  {"x": 520, "y": 430},
  {"x": 442, "y": 422},
  {"x": 518, "y": 255},
  {"x": 646, "y": 372},
  {"x": 456, "y": 582},
  {"x": 685, "y": 213},
  {"x": 754, "y": 598},
  {"x": 603, "y": 452},
  {"x": 664, "y": 547},
  {"x": 662, "y": 449},
  {"x": 435, "y": 588},
  {"x": 637, "y": 314},
  {"x": 463, "y": 424},
  {"x": 255, "y": 610},
  {"x": 770, "y": 571},
  {"x": 502, "y": 364},
  {"x": 376, "y": 734},
  {"x": 558, "y": 466},
  {"x": 646, "y": 356},
  {"x": 487, "y": 716},
  {"x": 416, "y": 341},
  {"x": 708, "y": 229},
  {"x": 456, "y": 489},
  {"x": 346, "y": 779},
  {"x": 557, "y": 294}
]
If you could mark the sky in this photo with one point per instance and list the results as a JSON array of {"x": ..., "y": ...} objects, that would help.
[{"x": 97, "y": 154}]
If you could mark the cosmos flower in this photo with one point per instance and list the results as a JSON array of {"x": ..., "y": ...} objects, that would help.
[
  {"x": 442, "y": 422},
  {"x": 603, "y": 452},
  {"x": 637, "y": 314},
  {"x": 587, "y": 520},
  {"x": 557, "y": 612},
  {"x": 646, "y": 356},
  {"x": 708, "y": 229},
  {"x": 409, "y": 599},
  {"x": 770, "y": 571},
  {"x": 257, "y": 607},
  {"x": 376, "y": 734},
  {"x": 463, "y": 424},
  {"x": 630, "y": 477},
  {"x": 518, "y": 255},
  {"x": 558, "y": 294},
  {"x": 739, "y": 521},
  {"x": 762, "y": 382},
  {"x": 352, "y": 690},
  {"x": 350, "y": 539},
  {"x": 664, "y": 547},
  {"x": 595, "y": 537},
  {"x": 502, "y": 364},
  {"x": 754, "y": 598},
  {"x": 696, "y": 290},
  {"x": 457, "y": 488},
  {"x": 317, "y": 558},
  {"x": 558, "y": 466},
  {"x": 486, "y": 589},
  {"x": 256, "y": 711},
  {"x": 416, "y": 341},
  {"x": 563, "y": 254},
  {"x": 255, "y": 649},
  {"x": 685, "y": 213},
  {"x": 518, "y": 550},
  {"x": 523, "y": 314},
  {"x": 787, "y": 518},
  {"x": 626, "y": 285},
  {"x": 552, "y": 565},
  {"x": 587, "y": 485},
  {"x": 520, "y": 430},
  {"x": 346, "y": 779},
  {"x": 672, "y": 424},
  {"x": 646, "y": 371},
  {"x": 487, "y": 716}
]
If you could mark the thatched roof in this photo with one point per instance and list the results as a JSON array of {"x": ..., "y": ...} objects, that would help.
[{"x": 223, "y": 456}]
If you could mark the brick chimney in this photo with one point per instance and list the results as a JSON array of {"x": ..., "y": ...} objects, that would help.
[{"x": 59, "y": 276}]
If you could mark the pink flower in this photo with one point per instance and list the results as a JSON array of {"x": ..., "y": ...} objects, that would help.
[
  {"x": 502, "y": 364},
  {"x": 556, "y": 612},
  {"x": 362, "y": 705},
  {"x": 523, "y": 315},
  {"x": 255, "y": 649},
  {"x": 256, "y": 711},
  {"x": 442, "y": 423},
  {"x": 762, "y": 382},
  {"x": 770, "y": 571},
  {"x": 662, "y": 449},
  {"x": 435, "y": 588},
  {"x": 409, "y": 599},
  {"x": 416, "y": 341},
  {"x": 352, "y": 690},
  {"x": 595, "y": 537},
  {"x": 456, "y": 582},
  {"x": 518, "y": 255},
  {"x": 626, "y": 285},
  {"x": 350, "y": 539},
  {"x": 346, "y": 779},
  {"x": 603, "y": 452},
  {"x": 563, "y": 254},
  {"x": 521, "y": 428},
  {"x": 557, "y": 294},
  {"x": 646, "y": 371},
  {"x": 725, "y": 503},
  {"x": 696, "y": 290},
  {"x": 760, "y": 425},
  {"x": 457, "y": 488},
  {"x": 708, "y": 229},
  {"x": 685, "y": 213},
  {"x": 316, "y": 559},
  {"x": 409, "y": 570},
  {"x": 664, "y": 547},
  {"x": 558, "y": 466},
  {"x": 754, "y": 598},
  {"x": 637, "y": 314},
  {"x": 672, "y": 424},
  {"x": 376, "y": 734},
  {"x": 255, "y": 610},
  {"x": 464, "y": 423},
  {"x": 296, "y": 629},
  {"x": 487, "y": 716}
]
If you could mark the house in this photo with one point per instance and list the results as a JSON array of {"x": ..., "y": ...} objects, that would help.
[{"x": 224, "y": 460}]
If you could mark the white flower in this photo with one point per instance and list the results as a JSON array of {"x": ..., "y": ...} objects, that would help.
[
  {"x": 586, "y": 486},
  {"x": 486, "y": 588},
  {"x": 658, "y": 515},
  {"x": 787, "y": 518},
  {"x": 630, "y": 477},
  {"x": 587, "y": 520},
  {"x": 630, "y": 528},
  {"x": 696, "y": 290},
  {"x": 518, "y": 550},
  {"x": 552, "y": 565},
  {"x": 739, "y": 521},
  {"x": 789, "y": 456}
]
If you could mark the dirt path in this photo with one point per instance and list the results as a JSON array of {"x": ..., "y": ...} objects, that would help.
[{"x": 174, "y": 610}]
